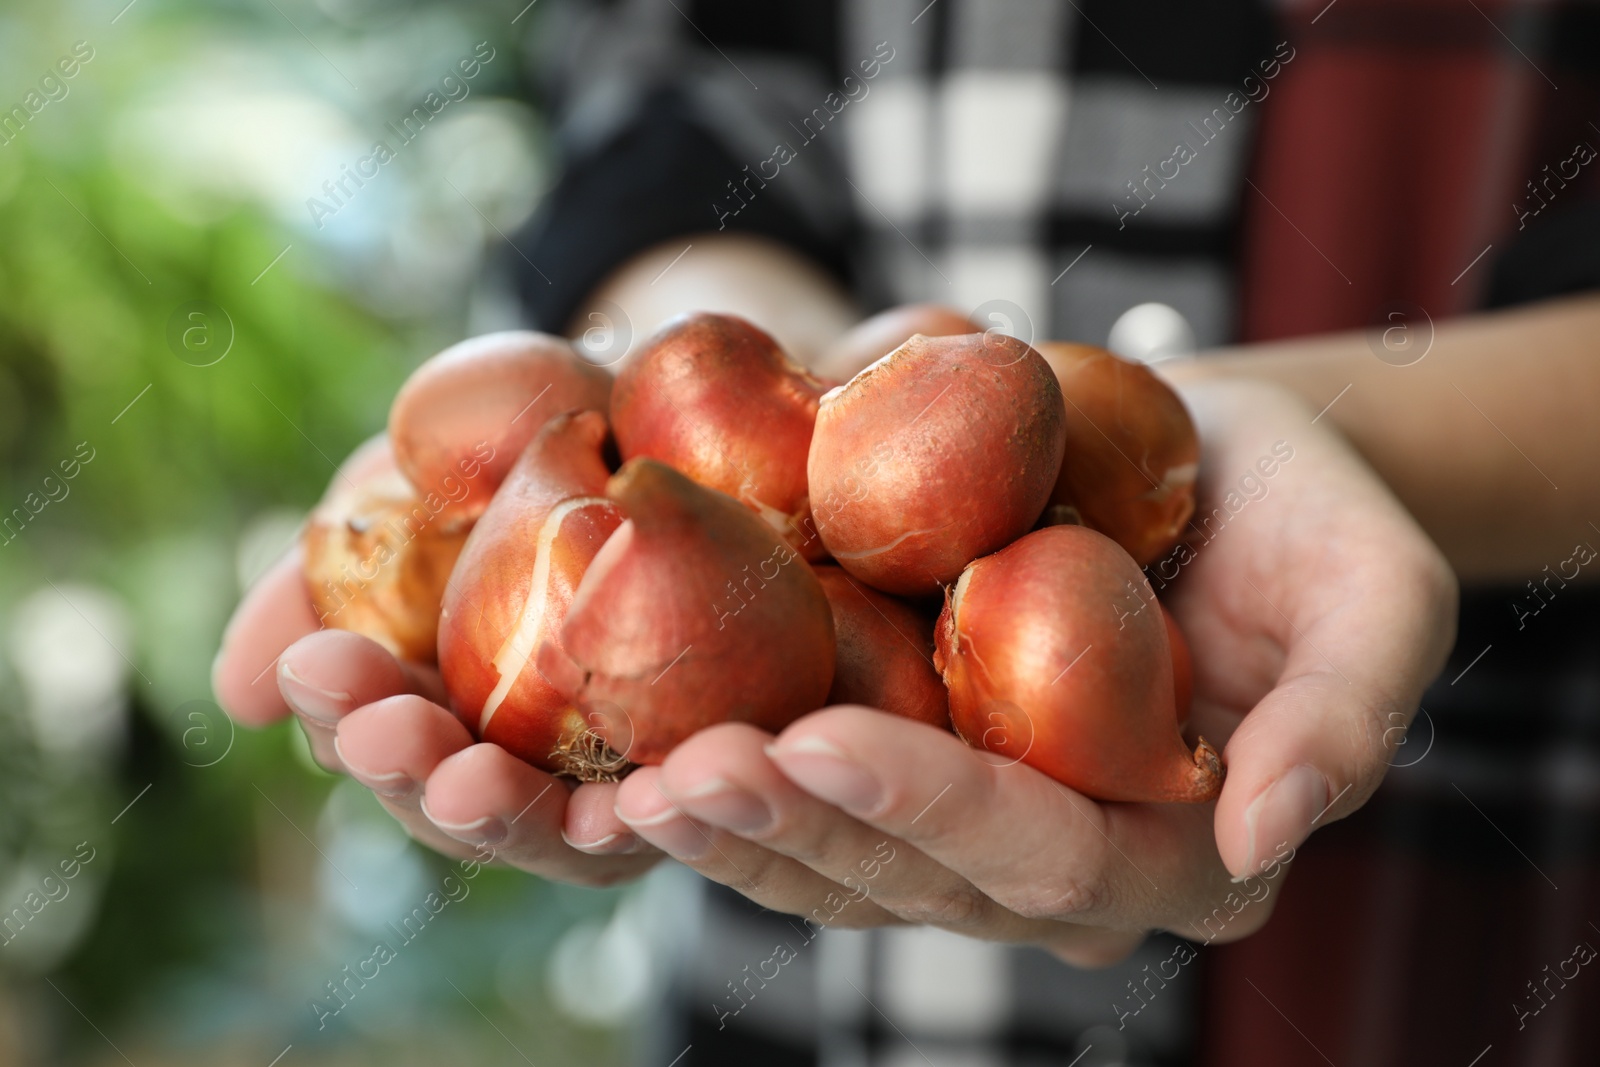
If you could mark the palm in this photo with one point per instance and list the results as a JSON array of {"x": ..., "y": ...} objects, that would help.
[{"x": 1312, "y": 603}]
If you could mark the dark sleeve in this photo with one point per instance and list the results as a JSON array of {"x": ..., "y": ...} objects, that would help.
[
  {"x": 663, "y": 173},
  {"x": 1558, "y": 253},
  {"x": 1556, "y": 256}
]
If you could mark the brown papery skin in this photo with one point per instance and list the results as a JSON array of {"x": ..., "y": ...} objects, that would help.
[
  {"x": 476, "y": 405},
  {"x": 377, "y": 554},
  {"x": 1132, "y": 451},
  {"x": 694, "y": 613},
  {"x": 873, "y": 338},
  {"x": 883, "y": 652},
  {"x": 715, "y": 398},
  {"x": 1056, "y": 656},
  {"x": 943, "y": 450},
  {"x": 511, "y": 591}
]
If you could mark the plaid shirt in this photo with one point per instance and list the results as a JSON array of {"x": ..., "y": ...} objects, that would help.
[{"x": 1268, "y": 173}]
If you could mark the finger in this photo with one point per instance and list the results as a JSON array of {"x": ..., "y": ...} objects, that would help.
[
  {"x": 391, "y": 747},
  {"x": 1342, "y": 610},
  {"x": 370, "y": 459},
  {"x": 593, "y": 826},
  {"x": 274, "y": 613},
  {"x": 722, "y": 777},
  {"x": 773, "y": 881},
  {"x": 876, "y": 337},
  {"x": 1319, "y": 744},
  {"x": 485, "y": 795},
  {"x": 1026, "y": 841},
  {"x": 326, "y": 675}
]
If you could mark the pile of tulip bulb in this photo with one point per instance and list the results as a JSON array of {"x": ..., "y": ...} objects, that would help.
[{"x": 602, "y": 567}]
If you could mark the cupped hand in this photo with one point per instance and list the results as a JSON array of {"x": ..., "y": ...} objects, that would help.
[
  {"x": 1316, "y": 610},
  {"x": 386, "y": 723}
]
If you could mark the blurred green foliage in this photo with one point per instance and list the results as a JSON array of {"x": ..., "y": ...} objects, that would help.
[{"x": 206, "y": 923}]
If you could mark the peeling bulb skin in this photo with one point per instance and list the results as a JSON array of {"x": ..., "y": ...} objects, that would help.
[
  {"x": 875, "y": 337},
  {"x": 1055, "y": 653},
  {"x": 378, "y": 555},
  {"x": 943, "y": 450},
  {"x": 884, "y": 652},
  {"x": 1132, "y": 451},
  {"x": 716, "y": 399},
  {"x": 694, "y": 613},
  {"x": 511, "y": 591},
  {"x": 466, "y": 414}
]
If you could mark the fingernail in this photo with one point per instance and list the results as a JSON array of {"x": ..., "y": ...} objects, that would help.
[
  {"x": 673, "y": 834},
  {"x": 724, "y": 804},
  {"x": 610, "y": 845},
  {"x": 1281, "y": 816},
  {"x": 824, "y": 770},
  {"x": 394, "y": 785},
  {"x": 325, "y": 706},
  {"x": 489, "y": 830}
]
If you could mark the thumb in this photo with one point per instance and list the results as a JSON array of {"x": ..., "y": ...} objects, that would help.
[
  {"x": 274, "y": 614},
  {"x": 1313, "y": 750}
]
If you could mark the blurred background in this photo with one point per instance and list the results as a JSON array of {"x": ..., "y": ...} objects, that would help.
[{"x": 186, "y": 348}]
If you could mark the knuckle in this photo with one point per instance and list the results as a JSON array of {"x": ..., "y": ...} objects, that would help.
[
  {"x": 955, "y": 907},
  {"x": 812, "y": 842},
  {"x": 1428, "y": 587},
  {"x": 1067, "y": 898},
  {"x": 762, "y": 875},
  {"x": 1440, "y": 580},
  {"x": 855, "y": 918}
]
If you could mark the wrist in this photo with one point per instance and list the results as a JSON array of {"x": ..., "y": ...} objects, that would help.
[{"x": 755, "y": 278}]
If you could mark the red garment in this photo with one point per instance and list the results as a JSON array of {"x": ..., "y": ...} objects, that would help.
[
  {"x": 1390, "y": 158},
  {"x": 1393, "y": 164}
]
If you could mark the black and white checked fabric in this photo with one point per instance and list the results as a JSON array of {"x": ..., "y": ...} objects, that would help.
[
  {"x": 1006, "y": 135},
  {"x": 985, "y": 159},
  {"x": 905, "y": 995},
  {"x": 994, "y": 156},
  {"x": 1014, "y": 150}
]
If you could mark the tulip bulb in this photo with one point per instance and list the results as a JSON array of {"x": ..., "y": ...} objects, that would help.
[
  {"x": 695, "y": 612},
  {"x": 1132, "y": 452},
  {"x": 466, "y": 414},
  {"x": 1055, "y": 652},
  {"x": 377, "y": 555},
  {"x": 716, "y": 398},
  {"x": 1182, "y": 667},
  {"x": 511, "y": 592},
  {"x": 942, "y": 451},
  {"x": 884, "y": 652}
]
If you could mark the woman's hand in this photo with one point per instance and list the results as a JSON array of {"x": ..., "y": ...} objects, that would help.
[
  {"x": 1317, "y": 611},
  {"x": 385, "y": 722}
]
